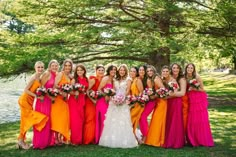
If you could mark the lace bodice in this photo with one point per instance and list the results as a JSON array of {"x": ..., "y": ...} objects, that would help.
[{"x": 121, "y": 86}]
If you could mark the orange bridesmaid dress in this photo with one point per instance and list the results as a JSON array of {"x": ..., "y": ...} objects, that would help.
[
  {"x": 185, "y": 112},
  {"x": 60, "y": 121},
  {"x": 137, "y": 109},
  {"x": 90, "y": 116},
  {"x": 29, "y": 117},
  {"x": 156, "y": 132}
]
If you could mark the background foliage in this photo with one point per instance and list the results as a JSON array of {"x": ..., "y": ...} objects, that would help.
[{"x": 129, "y": 31}]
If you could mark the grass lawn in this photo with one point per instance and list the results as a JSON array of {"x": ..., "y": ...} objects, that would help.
[{"x": 223, "y": 124}]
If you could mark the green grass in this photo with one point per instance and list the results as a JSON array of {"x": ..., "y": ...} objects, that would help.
[
  {"x": 223, "y": 124},
  {"x": 220, "y": 84}
]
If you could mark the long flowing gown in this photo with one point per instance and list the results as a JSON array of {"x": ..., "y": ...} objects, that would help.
[
  {"x": 29, "y": 117},
  {"x": 76, "y": 108},
  {"x": 174, "y": 137},
  {"x": 156, "y": 132},
  {"x": 101, "y": 110},
  {"x": 90, "y": 116},
  {"x": 185, "y": 114},
  {"x": 137, "y": 109},
  {"x": 60, "y": 113},
  {"x": 118, "y": 131},
  {"x": 42, "y": 139},
  {"x": 198, "y": 127}
]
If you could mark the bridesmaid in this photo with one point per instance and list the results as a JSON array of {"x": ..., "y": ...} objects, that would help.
[
  {"x": 152, "y": 81},
  {"x": 174, "y": 119},
  {"x": 137, "y": 88},
  {"x": 198, "y": 126},
  {"x": 29, "y": 117},
  {"x": 77, "y": 105},
  {"x": 102, "y": 105},
  {"x": 42, "y": 139},
  {"x": 90, "y": 107},
  {"x": 156, "y": 132},
  {"x": 60, "y": 111}
]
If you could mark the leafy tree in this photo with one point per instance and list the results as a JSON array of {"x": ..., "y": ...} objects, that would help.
[{"x": 147, "y": 31}]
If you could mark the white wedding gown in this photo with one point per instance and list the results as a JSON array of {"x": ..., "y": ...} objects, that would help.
[{"x": 118, "y": 131}]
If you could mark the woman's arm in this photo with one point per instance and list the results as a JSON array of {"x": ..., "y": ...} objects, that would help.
[
  {"x": 30, "y": 83},
  {"x": 57, "y": 80},
  {"x": 103, "y": 82},
  {"x": 44, "y": 78},
  {"x": 128, "y": 87},
  {"x": 182, "y": 91},
  {"x": 158, "y": 82},
  {"x": 140, "y": 86}
]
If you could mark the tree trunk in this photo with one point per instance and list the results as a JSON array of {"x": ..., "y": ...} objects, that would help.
[
  {"x": 159, "y": 58},
  {"x": 234, "y": 62}
]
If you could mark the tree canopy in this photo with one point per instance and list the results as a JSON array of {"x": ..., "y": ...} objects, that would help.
[{"x": 147, "y": 31}]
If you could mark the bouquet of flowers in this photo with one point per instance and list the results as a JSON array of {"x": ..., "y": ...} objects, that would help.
[
  {"x": 193, "y": 83},
  {"x": 41, "y": 91},
  {"x": 95, "y": 94},
  {"x": 142, "y": 99},
  {"x": 66, "y": 88},
  {"x": 131, "y": 99},
  {"x": 149, "y": 91},
  {"x": 53, "y": 92},
  {"x": 162, "y": 92},
  {"x": 118, "y": 99},
  {"x": 109, "y": 91},
  {"x": 173, "y": 86},
  {"x": 80, "y": 88}
]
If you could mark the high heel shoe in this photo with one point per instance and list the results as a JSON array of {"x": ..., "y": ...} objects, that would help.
[{"x": 22, "y": 145}]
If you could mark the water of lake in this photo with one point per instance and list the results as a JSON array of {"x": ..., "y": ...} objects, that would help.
[{"x": 9, "y": 95}]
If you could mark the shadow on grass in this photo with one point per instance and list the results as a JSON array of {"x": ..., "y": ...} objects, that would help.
[{"x": 222, "y": 123}]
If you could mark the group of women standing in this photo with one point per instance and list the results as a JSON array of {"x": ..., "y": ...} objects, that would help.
[{"x": 77, "y": 118}]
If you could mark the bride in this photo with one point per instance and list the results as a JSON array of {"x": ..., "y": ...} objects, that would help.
[{"x": 118, "y": 131}]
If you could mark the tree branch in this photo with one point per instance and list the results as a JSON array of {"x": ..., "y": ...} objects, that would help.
[{"x": 76, "y": 60}]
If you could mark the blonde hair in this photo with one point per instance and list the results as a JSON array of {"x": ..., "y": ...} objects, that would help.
[
  {"x": 38, "y": 62},
  {"x": 51, "y": 62},
  {"x": 69, "y": 61}
]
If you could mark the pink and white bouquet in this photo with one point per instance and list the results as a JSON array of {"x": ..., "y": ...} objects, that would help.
[
  {"x": 162, "y": 92},
  {"x": 66, "y": 88},
  {"x": 109, "y": 91},
  {"x": 118, "y": 99},
  {"x": 80, "y": 88},
  {"x": 53, "y": 92},
  {"x": 194, "y": 83},
  {"x": 41, "y": 91},
  {"x": 95, "y": 94},
  {"x": 149, "y": 91},
  {"x": 143, "y": 99},
  {"x": 173, "y": 86},
  {"x": 131, "y": 100}
]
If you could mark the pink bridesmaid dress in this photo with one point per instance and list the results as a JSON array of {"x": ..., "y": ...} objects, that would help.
[
  {"x": 42, "y": 139},
  {"x": 174, "y": 136},
  {"x": 76, "y": 110},
  {"x": 198, "y": 126},
  {"x": 101, "y": 110}
]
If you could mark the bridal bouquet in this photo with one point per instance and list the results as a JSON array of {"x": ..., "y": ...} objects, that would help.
[
  {"x": 162, "y": 92},
  {"x": 109, "y": 91},
  {"x": 142, "y": 99},
  {"x": 80, "y": 88},
  {"x": 194, "y": 83},
  {"x": 118, "y": 99},
  {"x": 95, "y": 94},
  {"x": 53, "y": 92},
  {"x": 173, "y": 86},
  {"x": 66, "y": 88},
  {"x": 131, "y": 100},
  {"x": 41, "y": 91}
]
